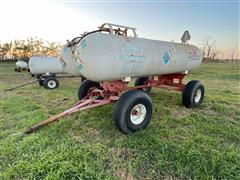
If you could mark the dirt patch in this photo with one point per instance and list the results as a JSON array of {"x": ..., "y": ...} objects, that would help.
[
  {"x": 125, "y": 154},
  {"x": 180, "y": 113},
  {"x": 123, "y": 174},
  {"x": 92, "y": 131},
  {"x": 210, "y": 112},
  {"x": 76, "y": 137},
  {"x": 122, "y": 153}
]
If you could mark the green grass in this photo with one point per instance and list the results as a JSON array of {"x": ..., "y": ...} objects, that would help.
[{"x": 180, "y": 143}]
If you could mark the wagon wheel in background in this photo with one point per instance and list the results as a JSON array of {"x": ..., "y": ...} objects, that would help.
[
  {"x": 193, "y": 94},
  {"x": 143, "y": 81},
  {"x": 85, "y": 86},
  {"x": 50, "y": 83}
]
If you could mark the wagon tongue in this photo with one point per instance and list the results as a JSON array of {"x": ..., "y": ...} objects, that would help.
[{"x": 81, "y": 105}]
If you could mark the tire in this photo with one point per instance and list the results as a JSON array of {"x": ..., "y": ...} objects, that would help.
[
  {"x": 125, "y": 119},
  {"x": 50, "y": 83},
  {"x": 85, "y": 86},
  {"x": 142, "y": 81},
  {"x": 40, "y": 82},
  {"x": 83, "y": 79},
  {"x": 193, "y": 94}
]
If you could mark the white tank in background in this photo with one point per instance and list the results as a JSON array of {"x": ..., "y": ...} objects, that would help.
[
  {"x": 42, "y": 65},
  {"x": 45, "y": 69},
  {"x": 104, "y": 57},
  {"x": 21, "y": 64}
]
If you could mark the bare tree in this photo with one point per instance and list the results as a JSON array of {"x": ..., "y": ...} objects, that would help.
[
  {"x": 234, "y": 54},
  {"x": 208, "y": 47},
  {"x": 203, "y": 51},
  {"x": 213, "y": 56},
  {"x": 5, "y": 49},
  {"x": 223, "y": 55}
]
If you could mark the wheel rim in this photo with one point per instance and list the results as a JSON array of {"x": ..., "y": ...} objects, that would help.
[
  {"x": 138, "y": 114},
  {"x": 51, "y": 84},
  {"x": 198, "y": 96}
]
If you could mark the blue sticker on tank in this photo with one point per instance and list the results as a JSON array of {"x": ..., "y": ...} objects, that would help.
[
  {"x": 166, "y": 58},
  {"x": 84, "y": 44},
  {"x": 80, "y": 66}
]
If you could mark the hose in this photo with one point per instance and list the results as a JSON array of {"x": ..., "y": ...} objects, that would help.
[{"x": 73, "y": 43}]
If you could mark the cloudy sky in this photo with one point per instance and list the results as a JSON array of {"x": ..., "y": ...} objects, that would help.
[{"x": 163, "y": 20}]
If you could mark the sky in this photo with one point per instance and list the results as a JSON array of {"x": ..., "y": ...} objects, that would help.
[{"x": 160, "y": 20}]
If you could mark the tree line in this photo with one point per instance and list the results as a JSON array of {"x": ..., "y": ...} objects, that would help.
[
  {"x": 210, "y": 53},
  {"x": 24, "y": 49}
]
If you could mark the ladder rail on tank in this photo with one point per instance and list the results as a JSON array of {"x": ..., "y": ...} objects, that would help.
[{"x": 118, "y": 29}]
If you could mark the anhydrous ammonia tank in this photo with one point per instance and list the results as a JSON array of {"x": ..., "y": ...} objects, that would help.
[
  {"x": 21, "y": 64},
  {"x": 41, "y": 65},
  {"x": 68, "y": 60},
  {"x": 104, "y": 57}
]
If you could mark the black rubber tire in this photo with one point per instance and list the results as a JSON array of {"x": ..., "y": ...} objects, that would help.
[
  {"x": 85, "y": 86},
  {"x": 40, "y": 82},
  {"x": 141, "y": 81},
  {"x": 46, "y": 82},
  {"x": 83, "y": 79},
  {"x": 123, "y": 109},
  {"x": 189, "y": 93}
]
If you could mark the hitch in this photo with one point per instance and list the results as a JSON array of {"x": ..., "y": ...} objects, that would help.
[{"x": 80, "y": 106}]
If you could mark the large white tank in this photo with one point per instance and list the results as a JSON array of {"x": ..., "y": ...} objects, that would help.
[
  {"x": 41, "y": 65},
  {"x": 21, "y": 64},
  {"x": 104, "y": 57},
  {"x": 69, "y": 60}
]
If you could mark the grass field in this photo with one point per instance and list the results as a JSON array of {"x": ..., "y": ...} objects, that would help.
[{"x": 179, "y": 143}]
